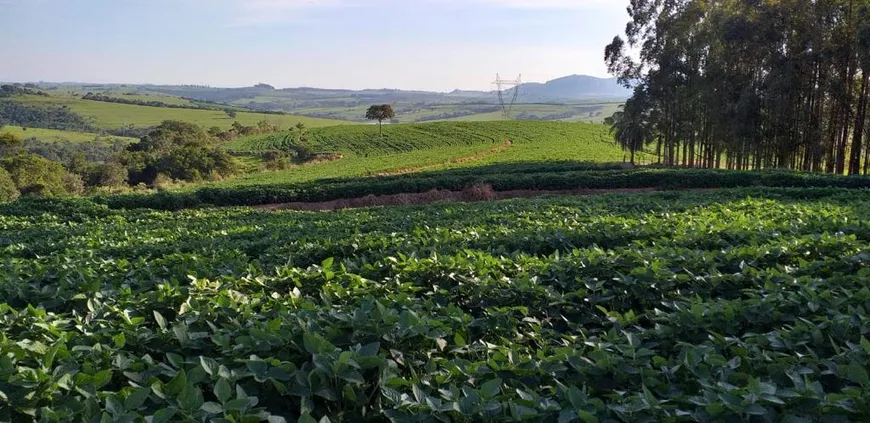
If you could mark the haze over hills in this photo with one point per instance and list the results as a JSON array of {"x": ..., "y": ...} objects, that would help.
[{"x": 265, "y": 97}]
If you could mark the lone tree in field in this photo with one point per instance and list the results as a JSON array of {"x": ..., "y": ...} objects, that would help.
[{"x": 380, "y": 114}]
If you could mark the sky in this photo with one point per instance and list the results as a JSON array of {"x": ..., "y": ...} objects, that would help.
[{"x": 437, "y": 45}]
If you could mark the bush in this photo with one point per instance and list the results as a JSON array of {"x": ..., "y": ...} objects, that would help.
[
  {"x": 36, "y": 175},
  {"x": 8, "y": 190},
  {"x": 179, "y": 150},
  {"x": 110, "y": 175},
  {"x": 73, "y": 184}
]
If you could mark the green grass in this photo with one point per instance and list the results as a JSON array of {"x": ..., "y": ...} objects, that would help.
[
  {"x": 53, "y": 135},
  {"x": 114, "y": 115},
  {"x": 593, "y": 112},
  {"x": 434, "y": 145},
  {"x": 729, "y": 306},
  {"x": 168, "y": 99}
]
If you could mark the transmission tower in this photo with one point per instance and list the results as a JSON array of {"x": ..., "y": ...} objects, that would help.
[{"x": 508, "y": 91}]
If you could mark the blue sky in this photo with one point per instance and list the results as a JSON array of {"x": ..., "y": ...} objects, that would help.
[{"x": 408, "y": 44}]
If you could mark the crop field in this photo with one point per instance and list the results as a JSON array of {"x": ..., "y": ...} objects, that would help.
[
  {"x": 592, "y": 111},
  {"x": 437, "y": 145},
  {"x": 735, "y": 305},
  {"x": 52, "y": 135},
  {"x": 167, "y": 99},
  {"x": 114, "y": 115}
]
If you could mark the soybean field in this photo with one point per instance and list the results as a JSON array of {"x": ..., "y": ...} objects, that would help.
[{"x": 736, "y": 305}]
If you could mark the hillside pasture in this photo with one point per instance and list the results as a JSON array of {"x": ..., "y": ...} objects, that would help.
[
  {"x": 107, "y": 115},
  {"x": 53, "y": 135},
  {"x": 432, "y": 146}
]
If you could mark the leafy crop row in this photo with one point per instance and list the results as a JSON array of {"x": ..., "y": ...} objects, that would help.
[
  {"x": 528, "y": 176},
  {"x": 364, "y": 139},
  {"x": 736, "y": 305}
]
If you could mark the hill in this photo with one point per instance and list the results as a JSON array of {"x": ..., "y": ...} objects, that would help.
[
  {"x": 574, "y": 87},
  {"x": 105, "y": 115},
  {"x": 413, "y": 148},
  {"x": 566, "y": 94}
]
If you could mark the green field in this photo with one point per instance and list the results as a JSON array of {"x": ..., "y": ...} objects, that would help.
[
  {"x": 52, "y": 135},
  {"x": 593, "y": 112},
  {"x": 114, "y": 115},
  {"x": 435, "y": 145},
  {"x": 735, "y": 305},
  {"x": 167, "y": 99}
]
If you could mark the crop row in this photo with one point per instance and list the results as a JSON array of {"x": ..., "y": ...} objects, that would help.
[
  {"x": 365, "y": 139},
  {"x": 503, "y": 177},
  {"x": 736, "y": 305}
]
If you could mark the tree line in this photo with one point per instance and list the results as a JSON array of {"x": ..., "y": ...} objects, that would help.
[
  {"x": 746, "y": 84},
  {"x": 171, "y": 152}
]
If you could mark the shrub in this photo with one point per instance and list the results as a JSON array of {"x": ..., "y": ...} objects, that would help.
[
  {"x": 73, "y": 184},
  {"x": 8, "y": 190},
  {"x": 36, "y": 175}
]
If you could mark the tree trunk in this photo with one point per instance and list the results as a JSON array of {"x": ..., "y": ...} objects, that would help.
[{"x": 860, "y": 118}]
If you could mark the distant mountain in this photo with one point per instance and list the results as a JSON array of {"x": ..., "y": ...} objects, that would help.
[
  {"x": 569, "y": 89},
  {"x": 574, "y": 87}
]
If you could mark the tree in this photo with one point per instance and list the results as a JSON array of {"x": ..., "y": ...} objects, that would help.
[
  {"x": 9, "y": 143},
  {"x": 178, "y": 150},
  {"x": 8, "y": 190},
  {"x": 630, "y": 125},
  {"x": 34, "y": 174},
  {"x": 231, "y": 113},
  {"x": 380, "y": 113},
  {"x": 749, "y": 84}
]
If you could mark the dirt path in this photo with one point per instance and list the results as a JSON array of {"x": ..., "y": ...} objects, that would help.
[
  {"x": 473, "y": 194},
  {"x": 465, "y": 159}
]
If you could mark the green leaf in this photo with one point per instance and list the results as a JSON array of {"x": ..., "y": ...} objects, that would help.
[
  {"x": 306, "y": 418},
  {"x": 316, "y": 344},
  {"x": 114, "y": 406},
  {"x": 491, "y": 388},
  {"x": 190, "y": 398},
  {"x": 567, "y": 416},
  {"x": 164, "y": 416},
  {"x": 177, "y": 384},
  {"x": 176, "y": 360},
  {"x": 222, "y": 390},
  {"x": 351, "y": 375},
  {"x": 257, "y": 367},
  {"x": 212, "y": 407},
  {"x": 755, "y": 410},
  {"x": 369, "y": 350},
  {"x": 209, "y": 365},
  {"x": 577, "y": 397},
  {"x": 120, "y": 340},
  {"x": 161, "y": 321},
  {"x": 857, "y": 373},
  {"x": 136, "y": 398},
  {"x": 459, "y": 340},
  {"x": 238, "y": 404},
  {"x": 587, "y": 417}
]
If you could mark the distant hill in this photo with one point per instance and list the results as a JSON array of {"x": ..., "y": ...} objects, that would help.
[
  {"x": 574, "y": 87},
  {"x": 572, "y": 98}
]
